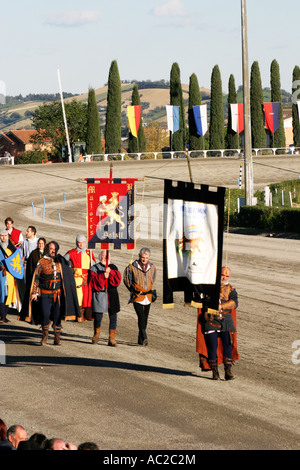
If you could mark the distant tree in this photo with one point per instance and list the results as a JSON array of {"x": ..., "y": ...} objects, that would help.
[
  {"x": 113, "y": 142},
  {"x": 49, "y": 122},
  {"x": 232, "y": 138},
  {"x": 295, "y": 112},
  {"x": 278, "y": 139},
  {"x": 216, "y": 128},
  {"x": 195, "y": 140},
  {"x": 176, "y": 99},
  {"x": 156, "y": 137},
  {"x": 93, "y": 134},
  {"x": 136, "y": 144},
  {"x": 256, "y": 105}
]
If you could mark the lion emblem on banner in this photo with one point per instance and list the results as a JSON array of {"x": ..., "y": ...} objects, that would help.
[{"x": 109, "y": 208}]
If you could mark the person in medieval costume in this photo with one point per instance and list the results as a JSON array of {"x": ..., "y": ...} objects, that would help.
[
  {"x": 80, "y": 260},
  {"x": 216, "y": 334},
  {"x": 15, "y": 235},
  {"x": 53, "y": 282},
  {"x": 104, "y": 280},
  {"x": 12, "y": 288},
  {"x": 32, "y": 261},
  {"x": 139, "y": 278}
]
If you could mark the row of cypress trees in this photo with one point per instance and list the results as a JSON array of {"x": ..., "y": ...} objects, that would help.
[{"x": 218, "y": 138}]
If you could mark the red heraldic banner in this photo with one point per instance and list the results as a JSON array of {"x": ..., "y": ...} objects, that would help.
[
  {"x": 110, "y": 205},
  {"x": 237, "y": 117}
]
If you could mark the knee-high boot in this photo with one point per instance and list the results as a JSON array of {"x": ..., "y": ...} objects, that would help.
[
  {"x": 57, "y": 331},
  {"x": 213, "y": 363},
  {"x": 228, "y": 364},
  {"x": 45, "y": 329},
  {"x": 112, "y": 338},
  {"x": 96, "y": 335}
]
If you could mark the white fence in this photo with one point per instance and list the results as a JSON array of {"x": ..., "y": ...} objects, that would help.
[
  {"x": 222, "y": 153},
  {"x": 7, "y": 160}
]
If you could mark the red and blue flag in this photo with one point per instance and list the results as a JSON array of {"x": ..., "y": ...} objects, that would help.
[{"x": 271, "y": 111}]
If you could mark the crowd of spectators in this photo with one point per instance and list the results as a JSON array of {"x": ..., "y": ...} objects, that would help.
[{"x": 15, "y": 438}]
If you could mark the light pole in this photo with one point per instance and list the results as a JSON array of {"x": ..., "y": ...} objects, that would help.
[{"x": 247, "y": 112}]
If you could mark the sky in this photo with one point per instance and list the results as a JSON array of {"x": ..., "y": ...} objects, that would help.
[{"x": 82, "y": 37}]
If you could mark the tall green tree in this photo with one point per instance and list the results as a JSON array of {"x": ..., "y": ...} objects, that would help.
[
  {"x": 216, "y": 128},
  {"x": 256, "y": 106},
  {"x": 232, "y": 138},
  {"x": 195, "y": 140},
  {"x": 136, "y": 144},
  {"x": 48, "y": 120},
  {"x": 93, "y": 134},
  {"x": 295, "y": 112},
  {"x": 278, "y": 139},
  {"x": 176, "y": 99},
  {"x": 113, "y": 143}
]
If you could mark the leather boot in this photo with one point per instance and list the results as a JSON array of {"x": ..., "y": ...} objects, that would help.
[
  {"x": 112, "y": 338},
  {"x": 45, "y": 329},
  {"x": 214, "y": 367},
  {"x": 57, "y": 331},
  {"x": 96, "y": 335},
  {"x": 228, "y": 364}
]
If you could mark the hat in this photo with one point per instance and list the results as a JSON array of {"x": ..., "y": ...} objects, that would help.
[
  {"x": 3, "y": 232},
  {"x": 80, "y": 238}
]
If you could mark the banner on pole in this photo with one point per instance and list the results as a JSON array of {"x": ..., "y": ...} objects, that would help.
[
  {"x": 193, "y": 243},
  {"x": 173, "y": 118},
  {"x": 271, "y": 111},
  {"x": 110, "y": 205},
  {"x": 134, "y": 119},
  {"x": 237, "y": 117},
  {"x": 200, "y": 116}
]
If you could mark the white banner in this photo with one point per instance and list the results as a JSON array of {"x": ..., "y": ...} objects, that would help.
[{"x": 192, "y": 241}]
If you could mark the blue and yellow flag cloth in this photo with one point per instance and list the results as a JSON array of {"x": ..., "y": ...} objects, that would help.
[{"x": 14, "y": 264}]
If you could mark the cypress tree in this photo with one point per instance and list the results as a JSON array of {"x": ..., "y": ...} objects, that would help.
[
  {"x": 256, "y": 106},
  {"x": 278, "y": 139},
  {"x": 136, "y": 144},
  {"x": 216, "y": 128},
  {"x": 176, "y": 99},
  {"x": 113, "y": 142},
  {"x": 232, "y": 138},
  {"x": 93, "y": 135},
  {"x": 295, "y": 113},
  {"x": 195, "y": 140}
]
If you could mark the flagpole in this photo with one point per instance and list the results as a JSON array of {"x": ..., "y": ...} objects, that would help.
[
  {"x": 247, "y": 111},
  {"x": 64, "y": 115}
]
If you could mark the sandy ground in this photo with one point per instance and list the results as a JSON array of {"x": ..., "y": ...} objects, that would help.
[{"x": 156, "y": 397}]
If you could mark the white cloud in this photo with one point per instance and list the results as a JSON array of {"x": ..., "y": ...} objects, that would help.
[
  {"x": 73, "y": 18},
  {"x": 170, "y": 8}
]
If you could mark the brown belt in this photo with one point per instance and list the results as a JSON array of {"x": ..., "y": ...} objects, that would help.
[{"x": 56, "y": 293}]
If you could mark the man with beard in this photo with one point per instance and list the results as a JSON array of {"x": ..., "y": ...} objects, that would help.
[
  {"x": 53, "y": 281},
  {"x": 216, "y": 334},
  {"x": 12, "y": 290},
  {"x": 81, "y": 260}
]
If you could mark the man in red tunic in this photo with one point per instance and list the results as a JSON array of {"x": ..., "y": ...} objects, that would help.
[
  {"x": 15, "y": 235},
  {"x": 81, "y": 260}
]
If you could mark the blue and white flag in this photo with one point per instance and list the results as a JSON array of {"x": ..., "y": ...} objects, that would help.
[
  {"x": 200, "y": 116},
  {"x": 173, "y": 118}
]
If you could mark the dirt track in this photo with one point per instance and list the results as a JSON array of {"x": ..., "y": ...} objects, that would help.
[{"x": 132, "y": 397}]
